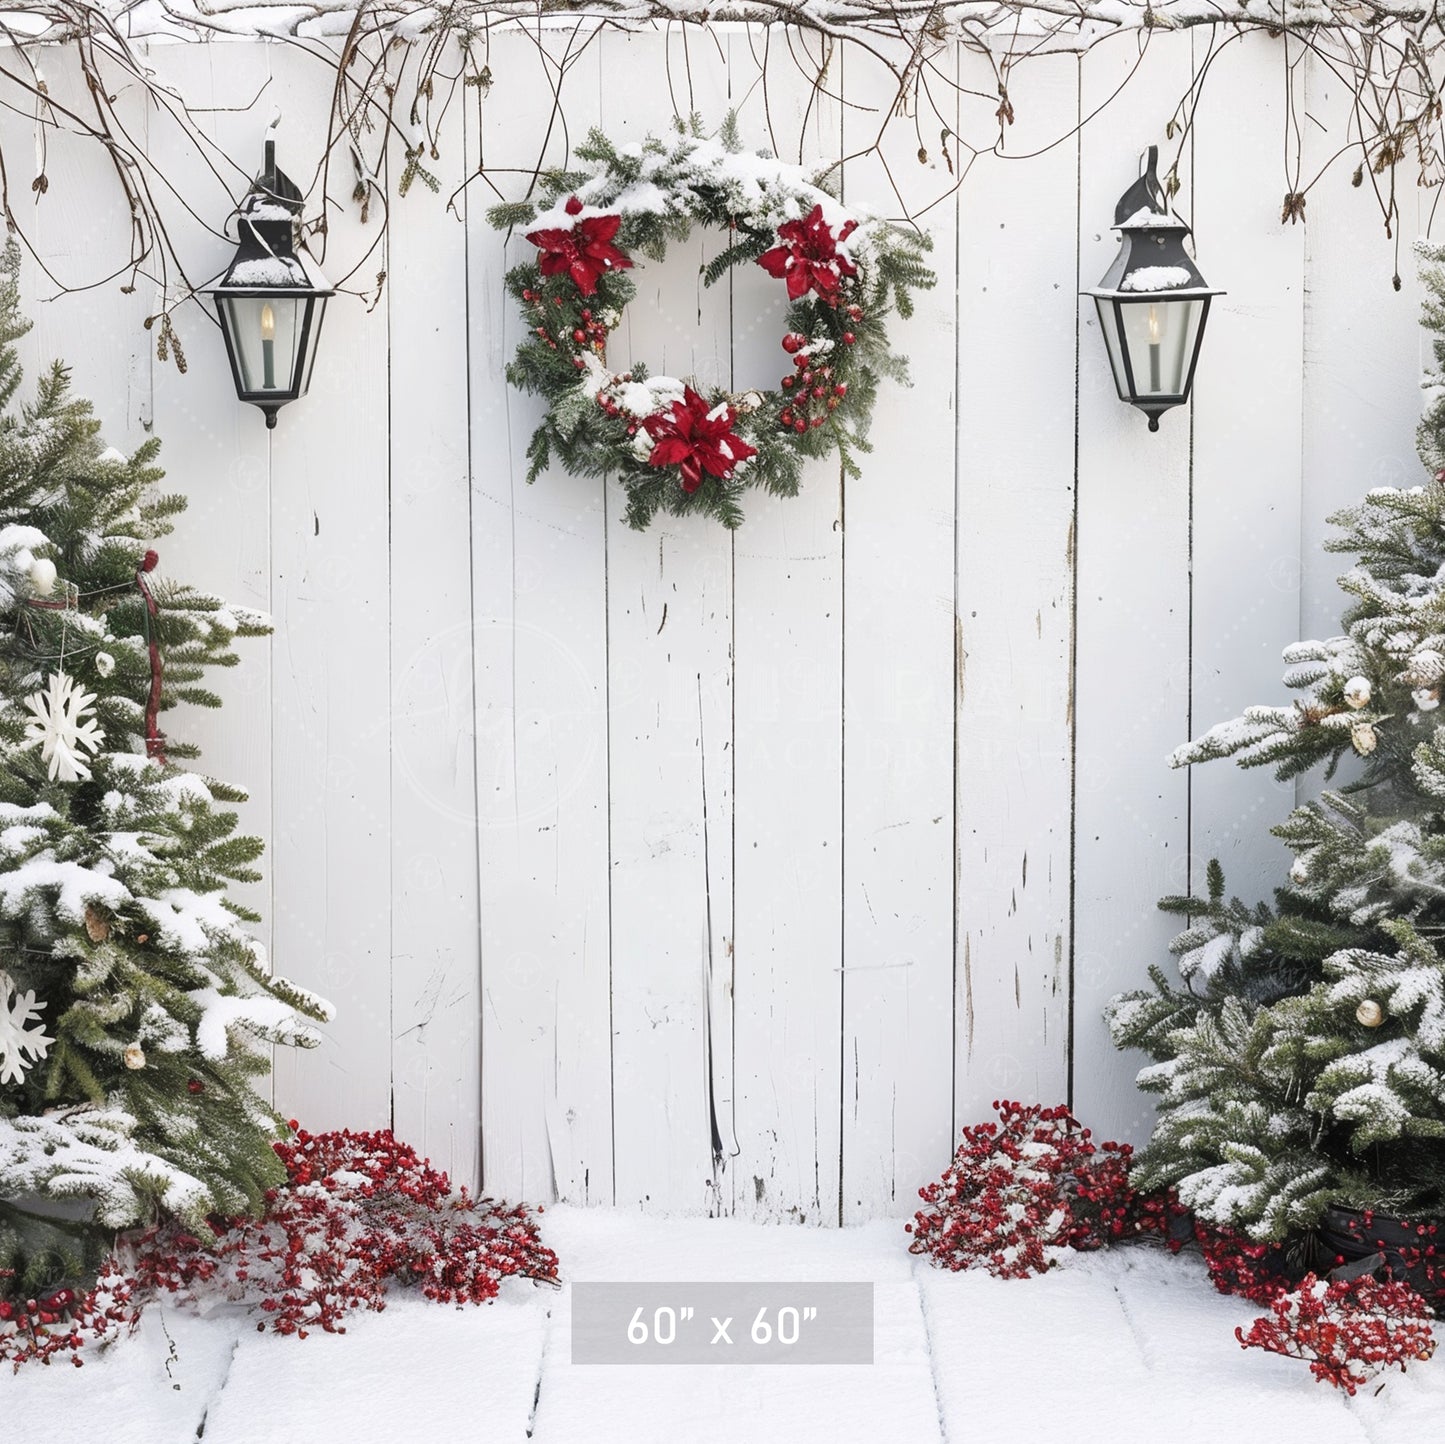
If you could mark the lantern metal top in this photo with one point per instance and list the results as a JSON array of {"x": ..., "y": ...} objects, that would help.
[
  {"x": 266, "y": 260},
  {"x": 1152, "y": 260}
]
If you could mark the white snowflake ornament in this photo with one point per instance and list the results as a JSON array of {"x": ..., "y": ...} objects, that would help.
[
  {"x": 59, "y": 726},
  {"x": 20, "y": 1031}
]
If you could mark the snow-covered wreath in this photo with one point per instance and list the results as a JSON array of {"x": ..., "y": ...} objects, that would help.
[{"x": 677, "y": 444}]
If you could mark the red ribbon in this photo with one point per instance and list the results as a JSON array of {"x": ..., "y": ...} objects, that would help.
[{"x": 155, "y": 738}]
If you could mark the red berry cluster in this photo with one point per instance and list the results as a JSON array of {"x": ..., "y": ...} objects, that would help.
[
  {"x": 811, "y": 392},
  {"x": 67, "y": 1321},
  {"x": 1239, "y": 1265},
  {"x": 1418, "y": 1262},
  {"x": 608, "y": 402},
  {"x": 1032, "y": 1182},
  {"x": 1349, "y": 1331},
  {"x": 588, "y": 333},
  {"x": 358, "y": 1211}
]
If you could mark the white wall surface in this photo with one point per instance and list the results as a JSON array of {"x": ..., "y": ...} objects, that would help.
[{"x": 697, "y": 871}]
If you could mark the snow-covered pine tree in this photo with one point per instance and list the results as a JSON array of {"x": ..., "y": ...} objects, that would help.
[
  {"x": 136, "y": 1010},
  {"x": 1302, "y": 1063}
]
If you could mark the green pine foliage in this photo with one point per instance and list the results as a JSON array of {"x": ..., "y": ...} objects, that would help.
[
  {"x": 1302, "y": 1062},
  {"x": 663, "y": 188},
  {"x": 154, "y": 1008}
]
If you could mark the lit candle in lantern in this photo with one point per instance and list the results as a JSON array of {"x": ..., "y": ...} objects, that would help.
[
  {"x": 1154, "y": 384},
  {"x": 268, "y": 347}
]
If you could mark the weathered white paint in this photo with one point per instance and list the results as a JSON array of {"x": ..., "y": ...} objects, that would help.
[
  {"x": 734, "y": 873},
  {"x": 1015, "y": 614}
]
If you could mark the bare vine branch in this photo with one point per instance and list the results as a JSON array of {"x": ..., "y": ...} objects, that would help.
[{"x": 397, "y": 67}]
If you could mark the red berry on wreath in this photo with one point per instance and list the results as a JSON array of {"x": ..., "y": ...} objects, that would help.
[
  {"x": 841, "y": 389},
  {"x": 792, "y": 341},
  {"x": 848, "y": 338},
  {"x": 194, "y": 1085},
  {"x": 817, "y": 422},
  {"x": 800, "y": 426},
  {"x": 819, "y": 392},
  {"x": 579, "y": 336},
  {"x": 587, "y": 315},
  {"x": 574, "y": 206},
  {"x": 788, "y": 382},
  {"x": 786, "y": 418}
]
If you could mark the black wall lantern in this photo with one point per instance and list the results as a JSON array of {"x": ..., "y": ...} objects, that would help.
[
  {"x": 271, "y": 299},
  {"x": 1152, "y": 302}
]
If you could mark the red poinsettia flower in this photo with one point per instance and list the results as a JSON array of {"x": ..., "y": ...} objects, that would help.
[
  {"x": 810, "y": 259},
  {"x": 585, "y": 251},
  {"x": 696, "y": 437}
]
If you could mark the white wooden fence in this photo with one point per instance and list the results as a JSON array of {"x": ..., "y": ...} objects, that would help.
[{"x": 694, "y": 871}]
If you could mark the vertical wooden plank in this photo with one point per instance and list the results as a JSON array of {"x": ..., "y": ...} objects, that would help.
[
  {"x": 214, "y": 449},
  {"x": 1247, "y": 453},
  {"x": 436, "y": 1012},
  {"x": 670, "y": 708},
  {"x": 787, "y": 631},
  {"x": 1132, "y": 687},
  {"x": 1016, "y": 386},
  {"x": 80, "y": 228},
  {"x": 540, "y": 599},
  {"x": 331, "y": 680},
  {"x": 898, "y": 700},
  {"x": 1363, "y": 344}
]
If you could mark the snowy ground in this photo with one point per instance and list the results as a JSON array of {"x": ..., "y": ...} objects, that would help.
[{"x": 1130, "y": 1346}]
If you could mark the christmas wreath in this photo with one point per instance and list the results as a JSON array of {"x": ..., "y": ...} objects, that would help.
[{"x": 677, "y": 444}]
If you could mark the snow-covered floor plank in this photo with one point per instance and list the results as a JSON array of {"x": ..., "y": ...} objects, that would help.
[
  {"x": 154, "y": 1388},
  {"x": 707, "y": 1404},
  {"x": 418, "y": 1371},
  {"x": 1132, "y": 1347}
]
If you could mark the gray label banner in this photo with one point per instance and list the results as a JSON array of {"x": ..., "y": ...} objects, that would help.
[{"x": 722, "y": 1323}]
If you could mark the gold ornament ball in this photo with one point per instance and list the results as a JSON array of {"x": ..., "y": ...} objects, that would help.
[
  {"x": 1357, "y": 691},
  {"x": 1370, "y": 1013},
  {"x": 135, "y": 1057},
  {"x": 1364, "y": 738}
]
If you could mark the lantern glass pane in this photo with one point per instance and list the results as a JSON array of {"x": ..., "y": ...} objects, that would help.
[
  {"x": 1109, "y": 324},
  {"x": 1161, "y": 335},
  {"x": 317, "y": 312},
  {"x": 265, "y": 334}
]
